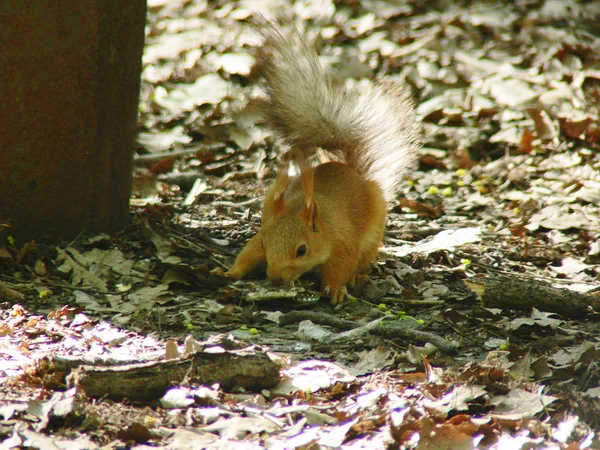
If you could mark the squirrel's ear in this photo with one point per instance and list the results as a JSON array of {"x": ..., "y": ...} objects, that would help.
[
  {"x": 310, "y": 216},
  {"x": 278, "y": 205},
  {"x": 281, "y": 184},
  {"x": 316, "y": 221},
  {"x": 307, "y": 178},
  {"x": 310, "y": 213}
]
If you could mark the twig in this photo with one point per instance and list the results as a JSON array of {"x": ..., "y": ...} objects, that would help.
[{"x": 154, "y": 157}]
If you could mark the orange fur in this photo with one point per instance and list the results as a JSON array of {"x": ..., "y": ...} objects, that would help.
[{"x": 333, "y": 215}]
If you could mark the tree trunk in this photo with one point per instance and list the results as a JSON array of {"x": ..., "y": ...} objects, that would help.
[{"x": 69, "y": 88}]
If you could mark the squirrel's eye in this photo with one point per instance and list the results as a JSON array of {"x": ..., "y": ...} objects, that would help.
[{"x": 301, "y": 251}]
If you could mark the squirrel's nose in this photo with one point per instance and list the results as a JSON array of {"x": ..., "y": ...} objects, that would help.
[
  {"x": 274, "y": 275},
  {"x": 278, "y": 276}
]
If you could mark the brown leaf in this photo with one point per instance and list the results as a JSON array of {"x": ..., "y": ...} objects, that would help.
[
  {"x": 28, "y": 248},
  {"x": 448, "y": 437},
  {"x": 432, "y": 162},
  {"x": 162, "y": 166},
  {"x": 545, "y": 128},
  {"x": 422, "y": 208},
  {"x": 575, "y": 129},
  {"x": 136, "y": 432},
  {"x": 526, "y": 141},
  {"x": 464, "y": 159}
]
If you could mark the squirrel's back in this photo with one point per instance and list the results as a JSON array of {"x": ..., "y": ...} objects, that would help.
[{"x": 369, "y": 127}]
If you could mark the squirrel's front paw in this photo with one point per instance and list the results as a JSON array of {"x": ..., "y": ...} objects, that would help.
[
  {"x": 218, "y": 271},
  {"x": 337, "y": 294}
]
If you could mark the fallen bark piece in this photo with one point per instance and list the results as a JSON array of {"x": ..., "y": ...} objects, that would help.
[
  {"x": 67, "y": 363},
  {"x": 525, "y": 294},
  {"x": 249, "y": 369}
]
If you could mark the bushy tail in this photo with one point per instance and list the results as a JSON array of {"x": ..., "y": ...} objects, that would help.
[{"x": 370, "y": 127}]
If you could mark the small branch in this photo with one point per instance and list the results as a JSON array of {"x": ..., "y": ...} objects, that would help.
[
  {"x": 154, "y": 157},
  {"x": 390, "y": 330},
  {"x": 525, "y": 294}
]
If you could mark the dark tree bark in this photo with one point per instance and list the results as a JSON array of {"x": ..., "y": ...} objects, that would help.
[{"x": 69, "y": 88}]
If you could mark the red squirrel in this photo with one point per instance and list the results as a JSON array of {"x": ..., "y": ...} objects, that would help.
[{"x": 332, "y": 215}]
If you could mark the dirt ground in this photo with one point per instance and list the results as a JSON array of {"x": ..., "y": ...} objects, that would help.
[{"x": 478, "y": 327}]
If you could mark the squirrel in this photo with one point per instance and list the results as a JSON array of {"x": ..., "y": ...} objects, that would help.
[{"x": 332, "y": 215}]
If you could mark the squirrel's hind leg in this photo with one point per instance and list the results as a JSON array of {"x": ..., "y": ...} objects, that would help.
[
  {"x": 359, "y": 278},
  {"x": 368, "y": 255},
  {"x": 337, "y": 272},
  {"x": 365, "y": 261}
]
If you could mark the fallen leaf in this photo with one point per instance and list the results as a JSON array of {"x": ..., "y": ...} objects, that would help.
[
  {"x": 312, "y": 376},
  {"x": 520, "y": 404},
  {"x": 239, "y": 427},
  {"x": 458, "y": 398},
  {"x": 372, "y": 360}
]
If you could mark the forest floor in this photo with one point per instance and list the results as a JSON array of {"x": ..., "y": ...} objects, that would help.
[{"x": 479, "y": 326}]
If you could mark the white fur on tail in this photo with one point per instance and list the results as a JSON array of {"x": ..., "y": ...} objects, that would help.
[{"x": 371, "y": 127}]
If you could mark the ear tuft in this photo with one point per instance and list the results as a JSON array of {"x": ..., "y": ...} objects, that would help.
[
  {"x": 315, "y": 218},
  {"x": 310, "y": 216},
  {"x": 282, "y": 182}
]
